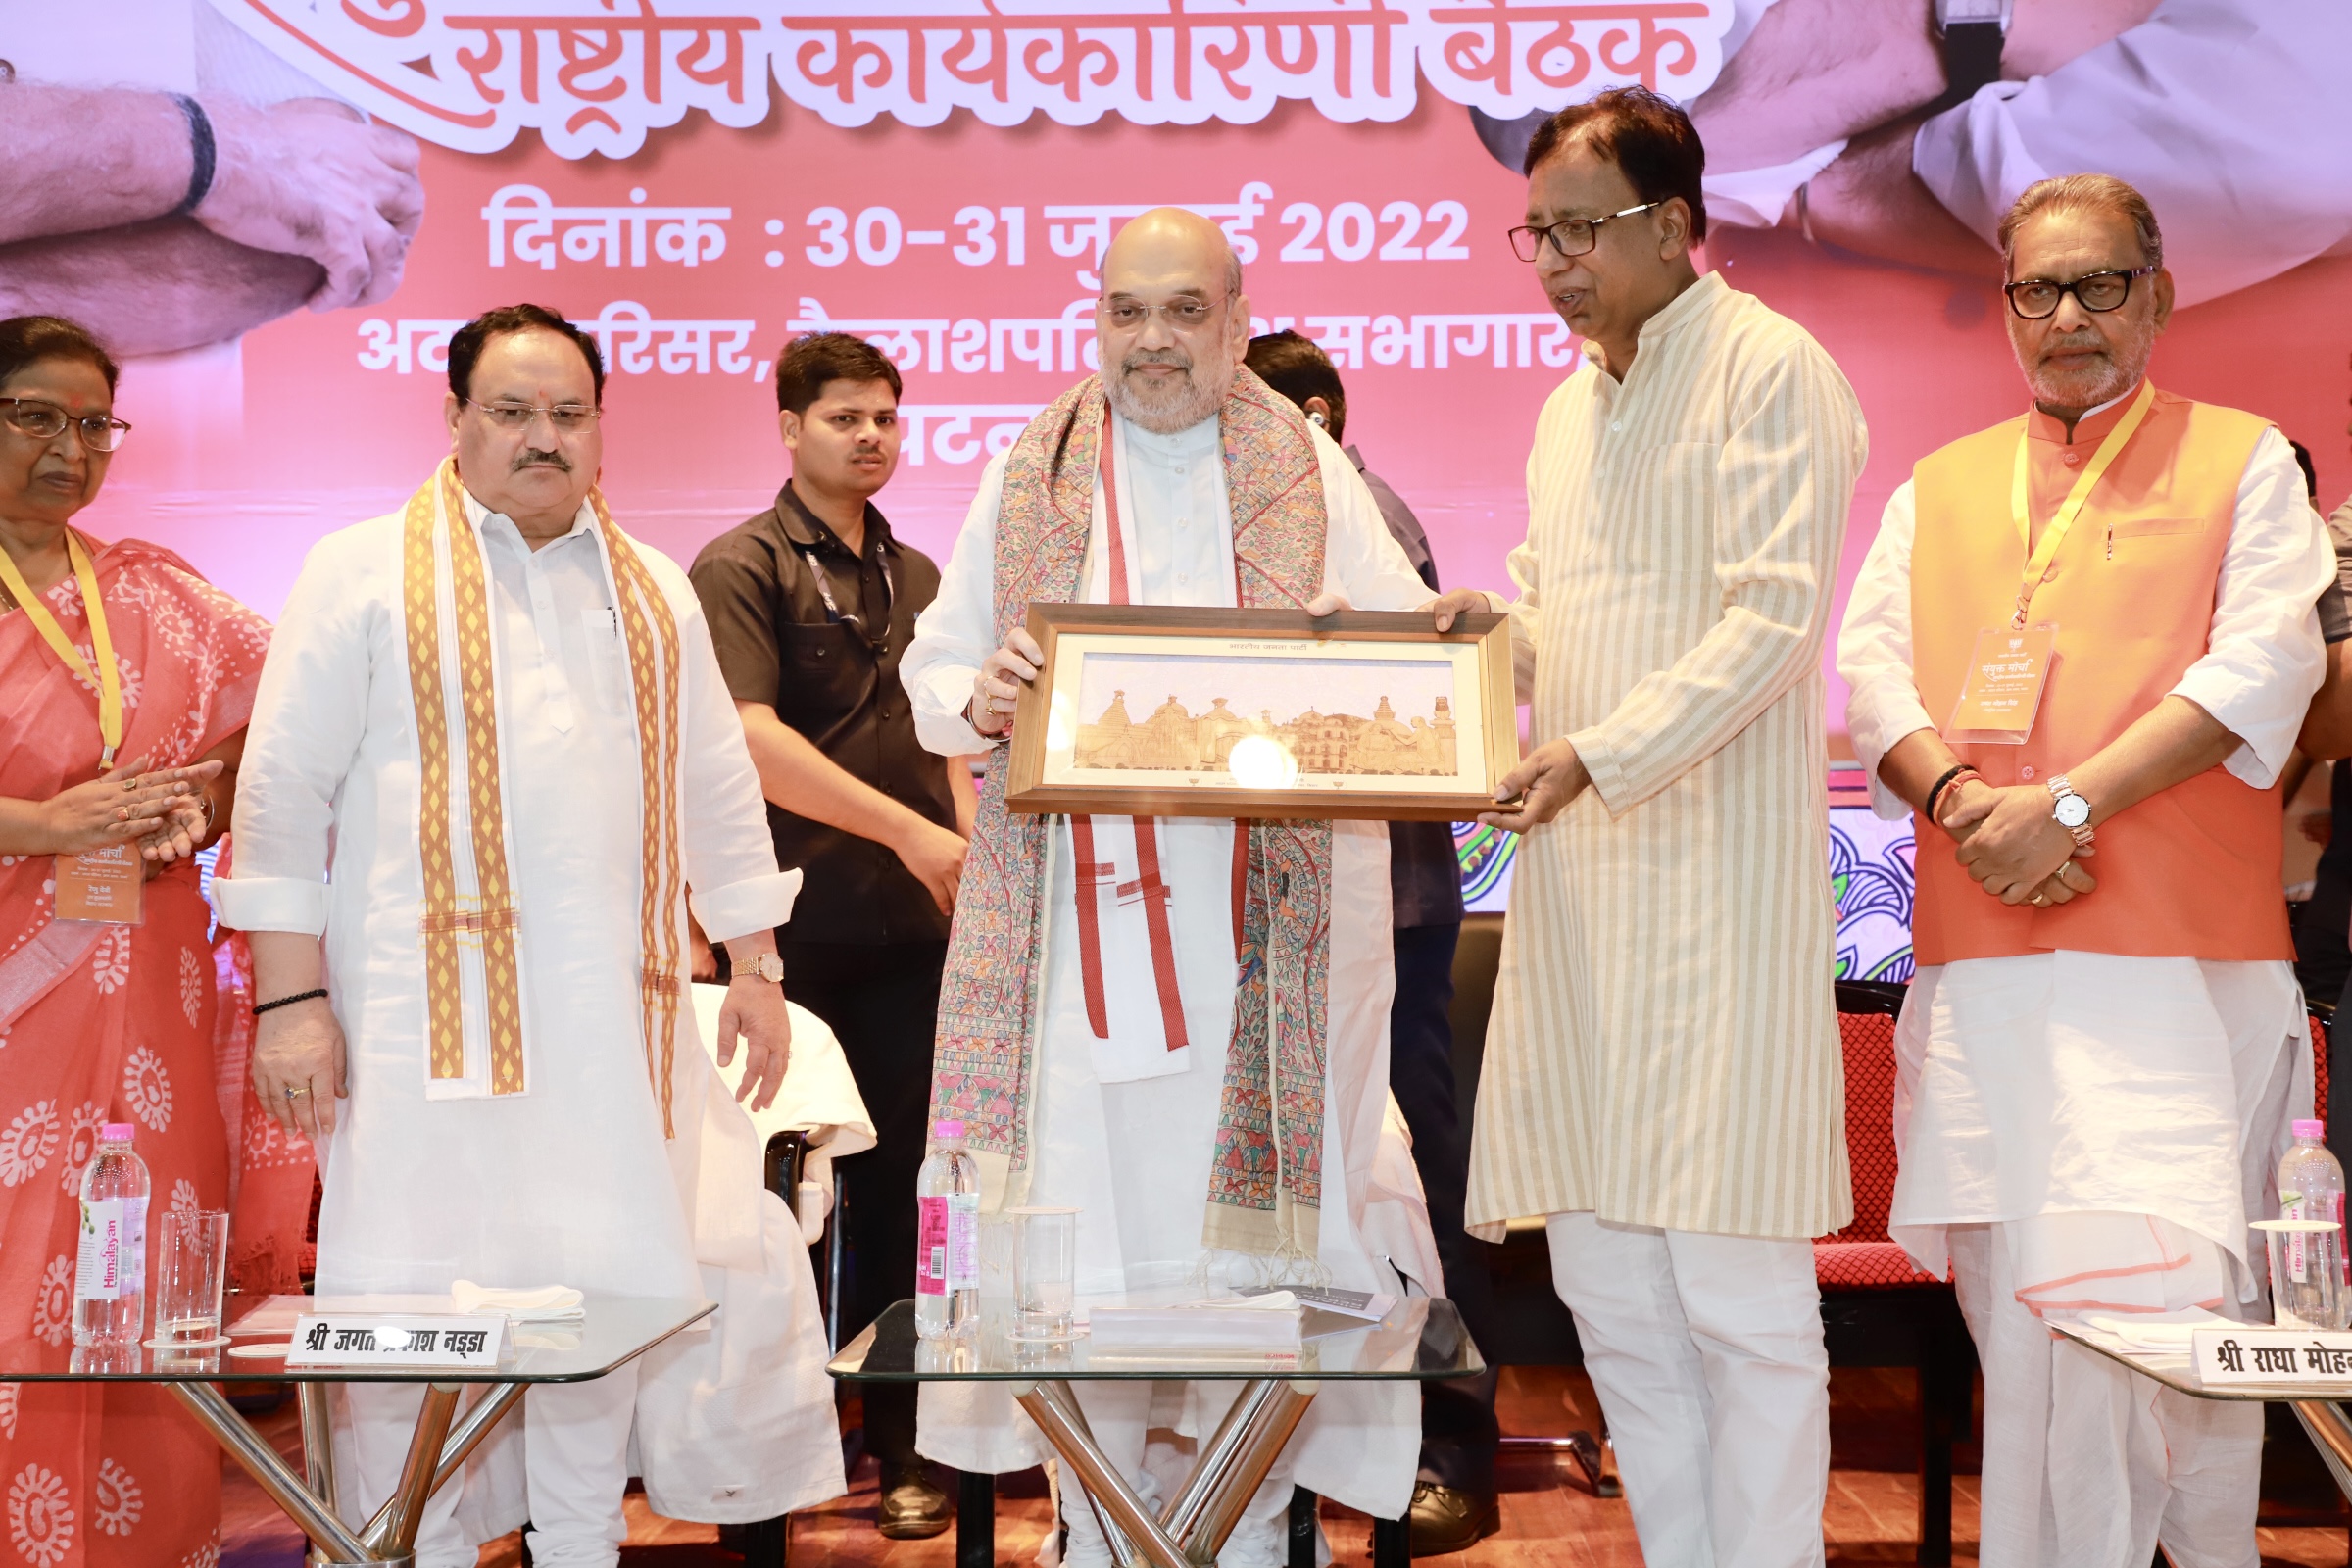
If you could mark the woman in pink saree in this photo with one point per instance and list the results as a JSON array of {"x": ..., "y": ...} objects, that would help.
[{"x": 105, "y": 1022}]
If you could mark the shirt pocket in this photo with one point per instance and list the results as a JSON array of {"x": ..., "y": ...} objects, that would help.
[
  {"x": 823, "y": 679},
  {"x": 1659, "y": 511},
  {"x": 609, "y": 679},
  {"x": 2132, "y": 528}
]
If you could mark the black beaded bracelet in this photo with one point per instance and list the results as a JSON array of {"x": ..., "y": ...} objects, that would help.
[
  {"x": 261, "y": 1008},
  {"x": 1937, "y": 788}
]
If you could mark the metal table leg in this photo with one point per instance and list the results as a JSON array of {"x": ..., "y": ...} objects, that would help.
[
  {"x": 435, "y": 1452},
  {"x": 1233, "y": 1465},
  {"x": 2332, "y": 1434},
  {"x": 338, "y": 1546}
]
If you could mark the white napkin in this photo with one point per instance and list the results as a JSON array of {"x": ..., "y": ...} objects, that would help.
[
  {"x": 546, "y": 1303},
  {"x": 2155, "y": 1331}
]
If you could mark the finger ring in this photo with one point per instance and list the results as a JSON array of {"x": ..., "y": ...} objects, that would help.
[
  {"x": 130, "y": 786},
  {"x": 293, "y": 1092}
]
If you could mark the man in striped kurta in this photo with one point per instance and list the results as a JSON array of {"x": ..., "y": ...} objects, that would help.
[{"x": 1662, "y": 1073}]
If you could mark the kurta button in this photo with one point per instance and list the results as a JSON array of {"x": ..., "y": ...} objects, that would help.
[
  {"x": 2073, "y": 459},
  {"x": 1616, "y": 424},
  {"x": 2026, "y": 773}
]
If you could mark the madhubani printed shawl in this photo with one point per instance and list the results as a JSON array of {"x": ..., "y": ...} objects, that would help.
[
  {"x": 472, "y": 961},
  {"x": 1265, "y": 1190}
]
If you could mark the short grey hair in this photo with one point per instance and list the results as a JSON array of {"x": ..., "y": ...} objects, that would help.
[
  {"x": 1233, "y": 270},
  {"x": 2095, "y": 193}
]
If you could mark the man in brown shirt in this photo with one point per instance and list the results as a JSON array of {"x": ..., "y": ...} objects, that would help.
[{"x": 811, "y": 604}]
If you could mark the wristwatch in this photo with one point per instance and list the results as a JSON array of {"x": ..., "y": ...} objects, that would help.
[
  {"x": 2072, "y": 811},
  {"x": 1969, "y": 33},
  {"x": 767, "y": 966}
]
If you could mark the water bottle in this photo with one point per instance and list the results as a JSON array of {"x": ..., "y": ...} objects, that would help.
[
  {"x": 110, "y": 1276},
  {"x": 2308, "y": 1281},
  {"x": 947, "y": 1263}
]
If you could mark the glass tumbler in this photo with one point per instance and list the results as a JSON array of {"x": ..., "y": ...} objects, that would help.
[
  {"x": 1045, "y": 1266},
  {"x": 2307, "y": 1270},
  {"x": 191, "y": 1273}
]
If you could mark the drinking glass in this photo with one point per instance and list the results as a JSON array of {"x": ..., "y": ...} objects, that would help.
[
  {"x": 2307, "y": 1268},
  {"x": 191, "y": 1271},
  {"x": 1045, "y": 1271}
]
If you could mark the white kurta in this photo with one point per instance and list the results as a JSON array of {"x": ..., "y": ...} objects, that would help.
[
  {"x": 1133, "y": 1152},
  {"x": 571, "y": 1181},
  {"x": 2086, "y": 1131}
]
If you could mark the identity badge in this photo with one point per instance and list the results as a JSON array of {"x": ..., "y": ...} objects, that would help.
[
  {"x": 102, "y": 884},
  {"x": 2001, "y": 689}
]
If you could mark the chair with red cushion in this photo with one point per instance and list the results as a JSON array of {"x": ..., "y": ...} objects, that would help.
[{"x": 1876, "y": 1308}]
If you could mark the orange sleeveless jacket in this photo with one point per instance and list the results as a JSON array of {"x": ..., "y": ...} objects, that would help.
[{"x": 2192, "y": 872}]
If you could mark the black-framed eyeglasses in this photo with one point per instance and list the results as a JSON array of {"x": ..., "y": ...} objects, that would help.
[
  {"x": 44, "y": 421},
  {"x": 1569, "y": 236},
  {"x": 568, "y": 418},
  {"x": 2036, "y": 298}
]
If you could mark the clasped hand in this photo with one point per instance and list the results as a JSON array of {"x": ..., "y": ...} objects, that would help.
[
  {"x": 2010, "y": 843},
  {"x": 163, "y": 812}
]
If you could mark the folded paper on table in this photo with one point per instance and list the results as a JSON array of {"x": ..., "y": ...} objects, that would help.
[
  {"x": 544, "y": 1304},
  {"x": 2155, "y": 1331}
]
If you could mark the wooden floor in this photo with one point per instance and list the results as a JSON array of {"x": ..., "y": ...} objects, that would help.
[{"x": 1548, "y": 1516}]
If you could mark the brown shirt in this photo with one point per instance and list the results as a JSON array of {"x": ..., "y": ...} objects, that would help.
[{"x": 831, "y": 669}]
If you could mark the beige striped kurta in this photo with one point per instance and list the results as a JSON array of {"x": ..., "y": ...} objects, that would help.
[{"x": 1664, "y": 1044}]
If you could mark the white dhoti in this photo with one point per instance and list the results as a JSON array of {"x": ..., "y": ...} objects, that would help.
[
  {"x": 2081, "y": 1132},
  {"x": 1707, "y": 1352}
]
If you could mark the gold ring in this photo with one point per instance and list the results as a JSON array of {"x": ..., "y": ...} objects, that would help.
[
  {"x": 292, "y": 1092},
  {"x": 130, "y": 786}
]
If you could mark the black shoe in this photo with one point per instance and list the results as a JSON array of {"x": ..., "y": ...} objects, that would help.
[
  {"x": 1442, "y": 1520},
  {"x": 912, "y": 1508}
]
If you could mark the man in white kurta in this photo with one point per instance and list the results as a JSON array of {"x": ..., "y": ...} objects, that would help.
[
  {"x": 2095, "y": 1079},
  {"x": 1663, "y": 1075},
  {"x": 1122, "y": 1127},
  {"x": 595, "y": 1148}
]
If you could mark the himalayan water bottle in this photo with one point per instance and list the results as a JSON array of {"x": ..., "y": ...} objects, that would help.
[
  {"x": 947, "y": 1265},
  {"x": 2307, "y": 1269},
  {"x": 110, "y": 1276}
]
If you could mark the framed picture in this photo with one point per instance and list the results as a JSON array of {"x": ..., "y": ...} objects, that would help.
[{"x": 1147, "y": 711}]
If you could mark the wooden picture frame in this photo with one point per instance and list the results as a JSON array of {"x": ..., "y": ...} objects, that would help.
[{"x": 1436, "y": 754}]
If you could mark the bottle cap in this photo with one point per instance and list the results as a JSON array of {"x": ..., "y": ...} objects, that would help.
[
  {"x": 2306, "y": 1127},
  {"x": 117, "y": 1132},
  {"x": 947, "y": 1129}
]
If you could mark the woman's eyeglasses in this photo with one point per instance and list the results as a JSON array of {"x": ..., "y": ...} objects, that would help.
[{"x": 45, "y": 421}]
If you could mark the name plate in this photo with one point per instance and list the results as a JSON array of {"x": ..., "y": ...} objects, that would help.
[
  {"x": 2234, "y": 1355},
  {"x": 385, "y": 1339}
]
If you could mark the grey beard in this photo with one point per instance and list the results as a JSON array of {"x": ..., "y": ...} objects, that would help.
[
  {"x": 1164, "y": 411},
  {"x": 2126, "y": 365}
]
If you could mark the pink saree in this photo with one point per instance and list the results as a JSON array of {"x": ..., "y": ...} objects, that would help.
[{"x": 104, "y": 1023}]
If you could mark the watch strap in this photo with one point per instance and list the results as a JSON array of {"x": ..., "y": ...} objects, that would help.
[{"x": 1972, "y": 59}]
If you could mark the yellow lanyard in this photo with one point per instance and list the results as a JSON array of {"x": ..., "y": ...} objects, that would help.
[
  {"x": 109, "y": 678},
  {"x": 2037, "y": 561}
]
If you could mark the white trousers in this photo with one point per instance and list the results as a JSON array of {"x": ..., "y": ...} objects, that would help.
[
  {"x": 1174, "y": 1419},
  {"x": 575, "y": 1454},
  {"x": 1707, "y": 1352},
  {"x": 2087, "y": 1464}
]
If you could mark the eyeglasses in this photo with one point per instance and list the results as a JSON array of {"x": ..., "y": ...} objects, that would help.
[
  {"x": 1184, "y": 314},
  {"x": 1569, "y": 236},
  {"x": 568, "y": 418},
  {"x": 44, "y": 421},
  {"x": 2036, "y": 298}
]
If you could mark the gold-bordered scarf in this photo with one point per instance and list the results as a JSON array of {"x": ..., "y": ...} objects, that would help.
[{"x": 471, "y": 916}]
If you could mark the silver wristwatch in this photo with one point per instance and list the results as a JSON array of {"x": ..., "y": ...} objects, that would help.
[
  {"x": 767, "y": 966},
  {"x": 2072, "y": 811}
]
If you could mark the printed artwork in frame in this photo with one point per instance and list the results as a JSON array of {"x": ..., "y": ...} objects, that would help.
[{"x": 1148, "y": 710}]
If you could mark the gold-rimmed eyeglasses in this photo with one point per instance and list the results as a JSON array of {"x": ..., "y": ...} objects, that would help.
[
  {"x": 1569, "y": 236},
  {"x": 568, "y": 418},
  {"x": 44, "y": 421},
  {"x": 1185, "y": 315}
]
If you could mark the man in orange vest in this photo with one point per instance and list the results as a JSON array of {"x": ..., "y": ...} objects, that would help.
[{"x": 2079, "y": 652}]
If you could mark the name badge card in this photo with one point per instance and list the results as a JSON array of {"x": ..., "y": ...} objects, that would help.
[
  {"x": 395, "y": 1340},
  {"x": 2001, "y": 691},
  {"x": 2232, "y": 1355},
  {"x": 102, "y": 884}
]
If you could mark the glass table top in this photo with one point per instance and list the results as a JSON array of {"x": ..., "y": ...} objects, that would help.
[
  {"x": 1420, "y": 1338},
  {"x": 615, "y": 1330},
  {"x": 2175, "y": 1370}
]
